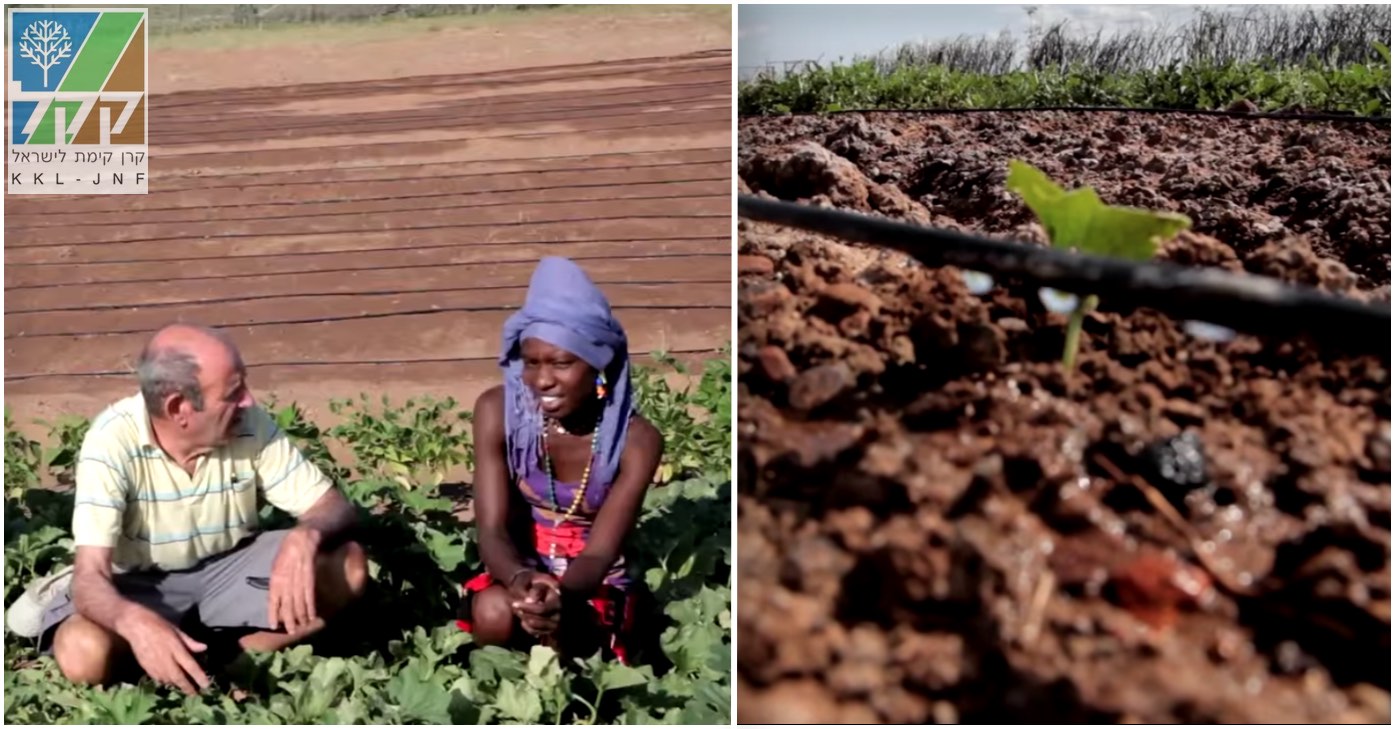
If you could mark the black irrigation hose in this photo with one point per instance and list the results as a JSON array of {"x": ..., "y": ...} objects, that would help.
[
  {"x": 636, "y": 355},
  {"x": 338, "y": 251},
  {"x": 360, "y": 269},
  {"x": 1242, "y": 302},
  {"x": 1278, "y": 115}
]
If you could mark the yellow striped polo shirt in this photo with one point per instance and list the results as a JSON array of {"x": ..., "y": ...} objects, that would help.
[{"x": 134, "y": 498}]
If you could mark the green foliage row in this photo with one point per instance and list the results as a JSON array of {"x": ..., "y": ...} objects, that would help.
[
  {"x": 397, "y": 657},
  {"x": 1356, "y": 88}
]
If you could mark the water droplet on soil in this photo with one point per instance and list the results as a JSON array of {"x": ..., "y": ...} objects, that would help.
[
  {"x": 1060, "y": 302},
  {"x": 1208, "y": 331},
  {"x": 978, "y": 283}
]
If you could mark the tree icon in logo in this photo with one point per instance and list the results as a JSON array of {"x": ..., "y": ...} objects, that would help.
[{"x": 45, "y": 43}]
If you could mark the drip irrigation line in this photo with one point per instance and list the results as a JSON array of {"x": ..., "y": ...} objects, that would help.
[
  {"x": 192, "y": 111},
  {"x": 407, "y": 122},
  {"x": 725, "y": 158},
  {"x": 509, "y": 77},
  {"x": 326, "y": 294},
  {"x": 322, "y": 363},
  {"x": 321, "y": 148},
  {"x": 195, "y": 109},
  {"x": 1242, "y": 302},
  {"x": 1276, "y": 115},
  {"x": 394, "y": 198},
  {"x": 340, "y": 251},
  {"x": 405, "y": 267},
  {"x": 552, "y": 102},
  {"x": 724, "y": 306},
  {"x": 252, "y": 134},
  {"x": 352, "y": 231}
]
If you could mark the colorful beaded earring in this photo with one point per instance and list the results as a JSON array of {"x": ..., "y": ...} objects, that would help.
[{"x": 600, "y": 386}]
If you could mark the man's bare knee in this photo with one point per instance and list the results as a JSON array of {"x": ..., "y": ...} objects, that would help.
[
  {"x": 355, "y": 562},
  {"x": 85, "y": 651},
  {"x": 342, "y": 576}
]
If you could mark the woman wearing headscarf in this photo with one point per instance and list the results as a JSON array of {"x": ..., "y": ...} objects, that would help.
[{"x": 563, "y": 462}]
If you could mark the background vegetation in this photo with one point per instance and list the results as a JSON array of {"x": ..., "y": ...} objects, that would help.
[{"x": 1334, "y": 58}]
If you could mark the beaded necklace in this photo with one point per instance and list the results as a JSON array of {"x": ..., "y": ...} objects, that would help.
[{"x": 552, "y": 480}]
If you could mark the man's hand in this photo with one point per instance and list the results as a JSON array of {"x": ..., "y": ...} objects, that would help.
[
  {"x": 164, "y": 651},
  {"x": 292, "y": 599},
  {"x": 538, "y": 604}
]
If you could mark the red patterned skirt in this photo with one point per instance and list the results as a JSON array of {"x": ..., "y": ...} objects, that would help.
[{"x": 613, "y": 606}]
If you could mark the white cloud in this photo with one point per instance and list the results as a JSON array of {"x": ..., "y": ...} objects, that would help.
[
  {"x": 1107, "y": 17},
  {"x": 753, "y": 31}
]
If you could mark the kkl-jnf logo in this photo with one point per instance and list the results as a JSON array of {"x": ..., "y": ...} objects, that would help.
[{"x": 77, "y": 90}]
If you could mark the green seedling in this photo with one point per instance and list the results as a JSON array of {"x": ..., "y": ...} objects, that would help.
[
  {"x": 415, "y": 445},
  {"x": 61, "y": 459},
  {"x": 1078, "y": 220}
]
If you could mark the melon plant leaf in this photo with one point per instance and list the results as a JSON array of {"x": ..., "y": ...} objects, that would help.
[
  {"x": 1079, "y": 220},
  {"x": 519, "y": 703},
  {"x": 615, "y": 676},
  {"x": 462, "y": 709},
  {"x": 397, "y": 669},
  {"x": 121, "y": 705},
  {"x": 420, "y": 699}
]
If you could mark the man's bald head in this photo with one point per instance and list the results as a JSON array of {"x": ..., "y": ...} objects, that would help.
[{"x": 174, "y": 358}]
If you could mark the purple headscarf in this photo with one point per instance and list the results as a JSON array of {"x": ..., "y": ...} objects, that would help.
[{"x": 565, "y": 309}]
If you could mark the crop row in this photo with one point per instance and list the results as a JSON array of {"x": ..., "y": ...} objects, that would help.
[{"x": 408, "y": 663}]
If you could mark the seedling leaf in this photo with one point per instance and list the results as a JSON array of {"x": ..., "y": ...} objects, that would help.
[{"x": 1079, "y": 220}]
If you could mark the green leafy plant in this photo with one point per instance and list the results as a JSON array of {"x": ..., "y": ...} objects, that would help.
[
  {"x": 308, "y": 438},
  {"x": 22, "y": 457},
  {"x": 1078, "y": 220},
  {"x": 61, "y": 458},
  {"x": 1336, "y": 60},
  {"x": 695, "y": 421},
  {"x": 413, "y": 446},
  {"x": 401, "y": 660}
]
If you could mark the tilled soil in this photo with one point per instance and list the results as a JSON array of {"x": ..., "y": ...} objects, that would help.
[
  {"x": 938, "y": 523},
  {"x": 371, "y": 235}
]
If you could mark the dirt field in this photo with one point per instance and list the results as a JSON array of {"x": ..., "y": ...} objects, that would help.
[
  {"x": 364, "y": 219},
  {"x": 937, "y": 523}
]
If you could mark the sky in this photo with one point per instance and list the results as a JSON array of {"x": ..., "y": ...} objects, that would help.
[{"x": 770, "y": 34}]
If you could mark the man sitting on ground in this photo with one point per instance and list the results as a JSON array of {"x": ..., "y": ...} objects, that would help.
[{"x": 165, "y": 522}]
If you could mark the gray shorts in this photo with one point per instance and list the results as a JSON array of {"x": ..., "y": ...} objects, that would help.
[{"x": 230, "y": 590}]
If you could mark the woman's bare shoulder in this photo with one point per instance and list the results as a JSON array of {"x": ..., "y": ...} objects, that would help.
[
  {"x": 643, "y": 434},
  {"x": 493, "y": 399}
]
